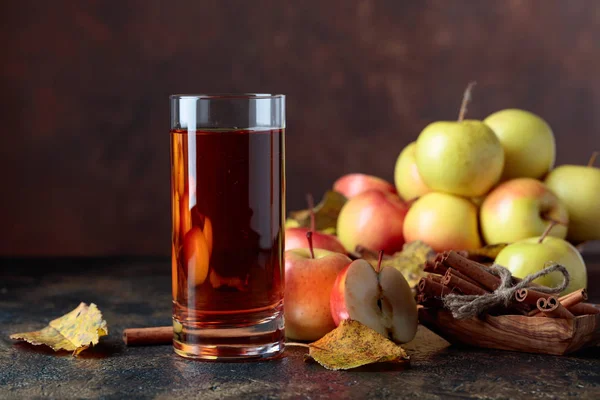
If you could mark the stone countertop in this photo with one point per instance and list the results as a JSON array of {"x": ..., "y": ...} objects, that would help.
[{"x": 136, "y": 293}]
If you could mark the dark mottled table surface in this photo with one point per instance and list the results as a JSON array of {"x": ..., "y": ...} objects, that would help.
[{"x": 136, "y": 293}]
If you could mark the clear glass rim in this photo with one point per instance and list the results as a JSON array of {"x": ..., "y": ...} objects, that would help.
[{"x": 225, "y": 96}]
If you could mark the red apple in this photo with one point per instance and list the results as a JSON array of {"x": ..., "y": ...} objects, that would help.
[
  {"x": 373, "y": 219},
  {"x": 295, "y": 238},
  {"x": 351, "y": 185},
  {"x": 309, "y": 277},
  {"x": 383, "y": 300}
]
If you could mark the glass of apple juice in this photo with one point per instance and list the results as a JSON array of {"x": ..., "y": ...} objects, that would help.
[{"x": 228, "y": 198}]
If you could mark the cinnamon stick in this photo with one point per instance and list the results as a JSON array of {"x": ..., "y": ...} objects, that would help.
[
  {"x": 529, "y": 296},
  {"x": 573, "y": 298},
  {"x": 434, "y": 267},
  {"x": 429, "y": 266},
  {"x": 148, "y": 336},
  {"x": 438, "y": 257},
  {"x": 552, "y": 308},
  {"x": 462, "y": 276},
  {"x": 472, "y": 269},
  {"x": 430, "y": 287},
  {"x": 454, "y": 282},
  {"x": 574, "y": 302},
  {"x": 584, "y": 309}
]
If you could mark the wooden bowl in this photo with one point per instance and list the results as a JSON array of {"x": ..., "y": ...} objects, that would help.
[{"x": 515, "y": 332}]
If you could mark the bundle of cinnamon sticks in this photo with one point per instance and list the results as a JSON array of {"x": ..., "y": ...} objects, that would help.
[{"x": 452, "y": 272}]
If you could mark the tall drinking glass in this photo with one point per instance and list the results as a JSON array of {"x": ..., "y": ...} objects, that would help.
[{"x": 228, "y": 197}]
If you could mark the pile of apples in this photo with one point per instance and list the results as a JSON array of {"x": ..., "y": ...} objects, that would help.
[{"x": 460, "y": 185}]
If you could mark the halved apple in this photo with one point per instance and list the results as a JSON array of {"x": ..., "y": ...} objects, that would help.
[{"x": 383, "y": 300}]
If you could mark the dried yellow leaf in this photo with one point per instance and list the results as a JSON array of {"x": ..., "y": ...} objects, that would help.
[
  {"x": 75, "y": 331},
  {"x": 353, "y": 344}
]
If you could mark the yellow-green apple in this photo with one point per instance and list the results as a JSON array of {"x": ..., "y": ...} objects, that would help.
[
  {"x": 309, "y": 277},
  {"x": 351, "y": 185},
  {"x": 521, "y": 208},
  {"x": 464, "y": 158},
  {"x": 295, "y": 238},
  {"x": 383, "y": 300},
  {"x": 408, "y": 182},
  {"x": 443, "y": 221},
  {"x": 372, "y": 219},
  {"x": 578, "y": 188},
  {"x": 531, "y": 255},
  {"x": 528, "y": 142}
]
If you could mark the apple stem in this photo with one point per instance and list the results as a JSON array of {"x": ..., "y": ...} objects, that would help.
[
  {"x": 297, "y": 344},
  {"x": 379, "y": 261},
  {"x": 307, "y": 346},
  {"x": 310, "y": 243},
  {"x": 592, "y": 159},
  {"x": 551, "y": 225},
  {"x": 465, "y": 101},
  {"x": 311, "y": 206}
]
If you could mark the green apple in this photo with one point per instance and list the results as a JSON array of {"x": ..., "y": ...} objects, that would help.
[
  {"x": 464, "y": 158},
  {"x": 408, "y": 181},
  {"x": 443, "y": 221},
  {"x": 528, "y": 142},
  {"x": 578, "y": 187},
  {"x": 530, "y": 255},
  {"x": 521, "y": 208}
]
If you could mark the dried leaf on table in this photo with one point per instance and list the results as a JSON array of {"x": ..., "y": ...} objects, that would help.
[
  {"x": 352, "y": 345},
  {"x": 409, "y": 261},
  {"x": 75, "y": 331},
  {"x": 326, "y": 213}
]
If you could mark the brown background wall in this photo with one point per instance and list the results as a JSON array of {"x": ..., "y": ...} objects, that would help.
[{"x": 84, "y": 154}]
